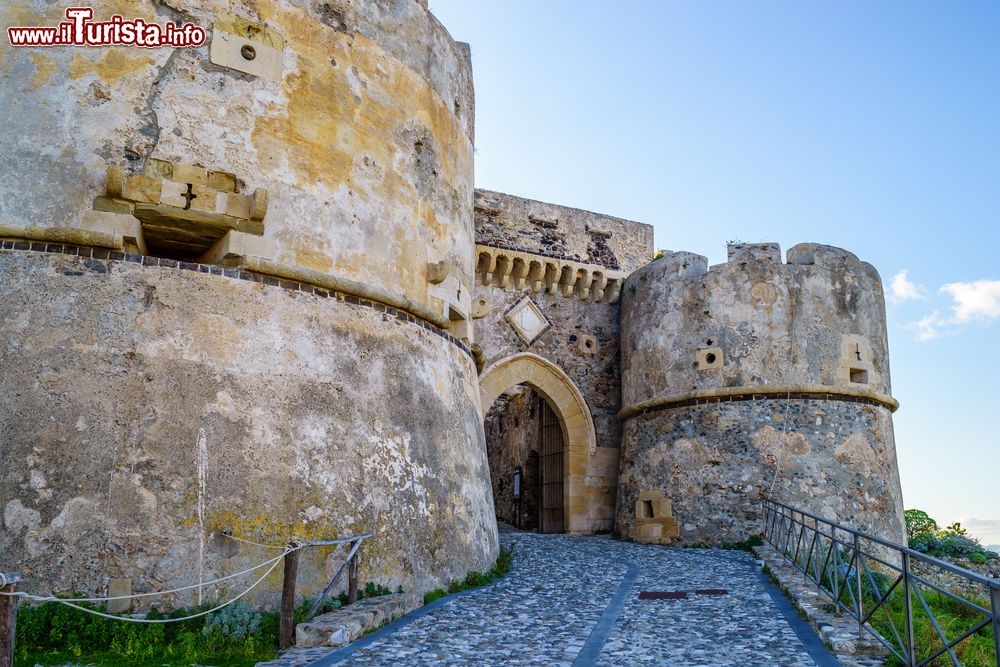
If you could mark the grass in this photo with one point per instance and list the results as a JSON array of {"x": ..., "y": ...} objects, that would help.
[
  {"x": 474, "y": 579},
  {"x": 952, "y": 616},
  {"x": 237, "y": 636}
]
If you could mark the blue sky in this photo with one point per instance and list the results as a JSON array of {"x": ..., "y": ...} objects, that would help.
[{"x": 871, "y": 126}]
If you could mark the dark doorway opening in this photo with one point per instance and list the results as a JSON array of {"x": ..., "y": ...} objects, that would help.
[{"x": 523, "y": 432}]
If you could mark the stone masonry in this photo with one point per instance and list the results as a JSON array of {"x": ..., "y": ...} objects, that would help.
[{"x": 259, "y": 296}]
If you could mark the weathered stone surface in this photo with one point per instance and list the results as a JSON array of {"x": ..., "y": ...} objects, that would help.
[
  {"x": 154, "y": 407},
  {"x": 536, "y": 227},
  {"x": 363, "y": 141},
  {"x": 724, "y": 374},
  {"x": 304, "y": 416},
  {"x": 506, "y": 221},
  {"x": 512, "y": 433},
  {"x": 343, "y": 626}
]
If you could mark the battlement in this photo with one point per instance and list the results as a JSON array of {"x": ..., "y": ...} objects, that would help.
[
  {"x": 685, "y": 265},
  {"x": 561, "y": 232}
]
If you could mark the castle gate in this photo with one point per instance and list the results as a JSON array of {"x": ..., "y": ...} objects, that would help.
[
  {"x": 567, "y": 437},
  {"x": 550, "y": 480}
]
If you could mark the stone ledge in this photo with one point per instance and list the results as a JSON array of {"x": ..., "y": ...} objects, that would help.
[
  {"x": 840, "y": 633},
  {"x": 263, "y": 276},
  {"x": 343, "y": 626},
  {"x": 760, "y": 393}
]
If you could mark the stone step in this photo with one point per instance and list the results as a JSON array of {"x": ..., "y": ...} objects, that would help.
[{"x": 343, "y": 626}]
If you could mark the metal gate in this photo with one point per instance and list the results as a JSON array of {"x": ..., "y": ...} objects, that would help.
[{"x": 551, "y": 464}]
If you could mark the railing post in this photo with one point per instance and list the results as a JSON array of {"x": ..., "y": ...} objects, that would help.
[
  {"x": 352, "y": 578},
  {"x": 857, "y": 582},
  {"x": 286, "y": 631},
  {"x": 995, "y": 608},
  {"x": 8, "y": 618},
  {"x": 836, "y": 569},
  {"x": 911, "y": 649},
  {"x": 763, "y": 516}
]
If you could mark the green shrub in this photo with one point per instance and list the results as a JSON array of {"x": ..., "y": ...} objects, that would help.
[
  {"x": 918, "y": 523},
  {"x": 52, "y": 633},
  {"x": 923, "y": 535}
]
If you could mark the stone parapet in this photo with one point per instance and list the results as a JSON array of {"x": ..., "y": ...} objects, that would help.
[{"x": 516, "y": 270}]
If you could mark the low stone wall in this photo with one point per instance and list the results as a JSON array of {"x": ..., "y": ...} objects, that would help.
[
  {"x": 956, "y": 583},
  {"x": 839, "y": 633},
  {"x": 343, "y": 626}
]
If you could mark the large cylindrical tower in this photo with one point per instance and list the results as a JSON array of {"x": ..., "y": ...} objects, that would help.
[
  {"x": 234, "y": 283},
  {"x": 755, "y": 377}
]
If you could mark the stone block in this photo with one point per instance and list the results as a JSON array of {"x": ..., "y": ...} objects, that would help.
[
  {"x": 118, "y": 588},
  {"x": 143, "y": 189},
  {"x": 112, "y": 205},
  {"x": 222, "y": 181},
  {"x": 247, "y": 47},
  {"x": 158, "y": 169},
  {"x": 234, "y": 245},
  {"x": 189, "y": 173},
  {"x": 114, "y": 181},
  {"x": 119, "y": 224},
  {"x": 345, "y": 625},
  {"x": 230, "y": 203},
  {"x": 203, "y": 198},
  {"x": 172, "y": 194},
  {"x": 258, "y": 207}
]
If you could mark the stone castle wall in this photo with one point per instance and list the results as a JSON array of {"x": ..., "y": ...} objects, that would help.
[
  {"x": 580, "y": 333},
  {"x": 280, "y": 346},
  {"x": 758, "y": 376}
]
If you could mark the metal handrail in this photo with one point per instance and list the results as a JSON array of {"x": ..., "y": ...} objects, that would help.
[{"x": 836, "y": 562}]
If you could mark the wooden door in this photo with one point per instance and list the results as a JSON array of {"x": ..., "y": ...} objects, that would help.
[{"x": 550, "y": 458}]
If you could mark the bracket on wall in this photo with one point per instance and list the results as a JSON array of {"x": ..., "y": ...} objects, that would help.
[
  {"x": 248, "y": 47},
  {"x": 183, "y": 209}
]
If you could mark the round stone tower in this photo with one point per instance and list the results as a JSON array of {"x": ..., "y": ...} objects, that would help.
[
  {"x": 234, "y": 286},
  {"x": 755, "y": 377}
]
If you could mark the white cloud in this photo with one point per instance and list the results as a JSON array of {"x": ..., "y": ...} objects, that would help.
[
  {"x": 929, "y": 328},
  {"x": 976, "y": 300},
  {"x": 901, "y": 289}
]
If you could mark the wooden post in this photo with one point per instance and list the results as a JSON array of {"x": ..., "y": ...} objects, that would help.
[
  {"x": 286, "y": 632},
  {"x": 352, "y": 579},
  {"x": 8, "y": 618}
]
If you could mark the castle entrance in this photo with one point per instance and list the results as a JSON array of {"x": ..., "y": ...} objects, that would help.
[
  {"x": 550, "y": 457},
  {"x": 539, "y": 437}
]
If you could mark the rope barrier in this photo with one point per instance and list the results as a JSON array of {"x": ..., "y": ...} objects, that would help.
[
  {"x": 50, "y": 598},
  {"x": 256, "y": 544},
  {"x": 75, "y": 603},
  {"x": 129, "y": 619}
]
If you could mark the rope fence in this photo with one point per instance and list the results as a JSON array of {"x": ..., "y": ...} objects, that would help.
[{"x": 289, "y": 555}]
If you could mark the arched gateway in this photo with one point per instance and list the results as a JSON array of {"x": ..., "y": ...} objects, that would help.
[{"x": 570, "y": 409}]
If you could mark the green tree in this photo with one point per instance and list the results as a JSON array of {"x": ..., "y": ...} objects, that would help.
[{"x": 919, "y": 524}]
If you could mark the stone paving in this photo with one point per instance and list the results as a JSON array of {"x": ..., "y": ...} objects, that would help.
[{"x": 545, "y": 611}]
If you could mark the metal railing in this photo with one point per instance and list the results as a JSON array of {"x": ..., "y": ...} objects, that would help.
[{"x": 873, "y": 580}]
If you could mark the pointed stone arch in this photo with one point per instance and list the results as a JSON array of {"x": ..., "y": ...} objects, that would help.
[{"x": 574, "y": 416}]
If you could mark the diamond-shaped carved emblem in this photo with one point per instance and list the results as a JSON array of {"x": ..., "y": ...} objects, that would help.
[{"x": 527, "y": 320}]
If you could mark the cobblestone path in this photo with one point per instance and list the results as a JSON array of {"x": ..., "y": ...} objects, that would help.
[{"x": 574, "y": 600}]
